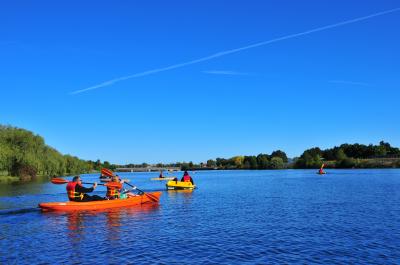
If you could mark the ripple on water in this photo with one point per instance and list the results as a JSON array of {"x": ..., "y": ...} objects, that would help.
[{"x": 235, "y": 217}]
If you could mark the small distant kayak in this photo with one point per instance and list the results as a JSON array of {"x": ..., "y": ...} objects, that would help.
[
  {"x": 169, "y": 178},
  {"x": 98, "y": 205},
  {"x": 180, "y": 185},
  {"x": 321, "y": 173}
]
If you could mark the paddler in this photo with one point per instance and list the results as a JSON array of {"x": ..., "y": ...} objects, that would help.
[
  {"x": 114, "y": 191},
  {"x": 187, "y": 178},
  {"x": 115, "y": 188},
  {"x": 77, "y": 193},
  {"x": 321, "y": 170},
  {"x": 161, "y": 175}
]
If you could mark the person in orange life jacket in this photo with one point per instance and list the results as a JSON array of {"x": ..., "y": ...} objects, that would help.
[
  {"x": 114, "y": 192},
  {"x": 77, "y": 193},
  {"x": 187, "y": 178}
]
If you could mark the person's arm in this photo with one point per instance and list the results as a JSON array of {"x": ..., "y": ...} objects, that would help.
[
  {"x": 82, "y": 189},
  {"x": 191, "y": 180}
]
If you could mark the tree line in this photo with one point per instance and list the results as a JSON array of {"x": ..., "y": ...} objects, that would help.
[
  {"x": 25, "y": 155},
  {"x": 276, "y": 160},
  {"x": 350, "y": 155}
]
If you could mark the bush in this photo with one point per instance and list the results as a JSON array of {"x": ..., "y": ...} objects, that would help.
[
  {"x": 346, "y": 163},
  {"x": 276, "y": 163}
]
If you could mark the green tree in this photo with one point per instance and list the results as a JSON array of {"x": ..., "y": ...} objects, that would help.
[
  {"x": 211, "y": 163},
  {"x": 106, "y": 164},
  {"x": 238, "y": 161},
  {"x": 276, "y": 163},
  {"x": 281, "y": 154},
  {"x": 184, "y": 166},
  {"x": 340, "y": 155},
  {"x": 250, "y": 162},
  {"x": 97, "y": 165},
  {"x": 262, "y": 161}
]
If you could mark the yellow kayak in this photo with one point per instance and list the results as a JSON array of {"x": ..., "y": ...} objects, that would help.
[
  {"x": 180, "y": 185},
  {"x": 169, "y": 178}
]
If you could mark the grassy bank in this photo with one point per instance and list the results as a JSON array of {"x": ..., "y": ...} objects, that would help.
[
  {"x": 8, "y": 179},
  {"x": 364, "y": 163}
]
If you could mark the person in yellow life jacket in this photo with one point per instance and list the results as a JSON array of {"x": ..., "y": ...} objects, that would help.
[
  {"x": 77, "y": 193},
  {"x": 187, "y": 178},
  {"x": 114, "y": 191}
]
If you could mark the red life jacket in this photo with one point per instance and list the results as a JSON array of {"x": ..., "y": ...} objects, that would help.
[
  {"x": 72, "y": 194},
  {"x": 186, "y": 178}
]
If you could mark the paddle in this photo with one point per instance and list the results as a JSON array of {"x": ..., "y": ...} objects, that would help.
[
  {"x": 109, "y": 173},
  {"x": 63, "y": 181},
  {"x": 151, "y": 196}
]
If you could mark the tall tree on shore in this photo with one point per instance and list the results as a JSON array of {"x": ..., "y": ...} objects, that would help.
[
  {"x": 281, "y": 154},
  {"x": 25, "y": 155}
]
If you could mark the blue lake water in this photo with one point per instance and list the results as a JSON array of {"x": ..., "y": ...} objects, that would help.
[{"x": 234, "y": 217}]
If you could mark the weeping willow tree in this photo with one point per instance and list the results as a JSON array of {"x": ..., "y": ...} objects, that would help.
[{"x": 25, "y": 155}]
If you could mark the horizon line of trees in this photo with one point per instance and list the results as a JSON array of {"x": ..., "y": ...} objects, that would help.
[
  {"x": 25, "y": 155},
  {"x": 276, "y": 160},
  {"x": 348, "y": 156}
]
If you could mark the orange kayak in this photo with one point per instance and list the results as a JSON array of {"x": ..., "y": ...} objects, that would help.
[{"x": 99, "y": 205}]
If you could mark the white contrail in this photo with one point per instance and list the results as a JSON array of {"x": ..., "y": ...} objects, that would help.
[
  {"x": 223, "y": 53},
  {"x": 345, "y": 82},
  {"x": 224, "y": 72}
]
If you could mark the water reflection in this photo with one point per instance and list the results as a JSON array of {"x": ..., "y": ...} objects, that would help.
[
  {"x": 78, "y": 221},
  {"x": 22, "y": 188},
  {"x": 186, "y": 195}
]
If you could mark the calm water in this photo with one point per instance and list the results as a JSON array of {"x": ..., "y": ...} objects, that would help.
[{"x": 235, "y": 217}]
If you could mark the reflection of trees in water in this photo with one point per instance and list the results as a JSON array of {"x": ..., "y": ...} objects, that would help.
[
  {"x": 22, "y": 188},
  {"x": 105, "y": 222},
  {"x": 113, "y": 224}
]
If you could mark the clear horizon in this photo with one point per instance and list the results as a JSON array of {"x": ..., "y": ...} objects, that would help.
[{"x": 130, "y": 82}]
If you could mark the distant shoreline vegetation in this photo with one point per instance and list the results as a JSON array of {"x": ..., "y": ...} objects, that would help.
[
  {"x": 25, "y": 156},
  {"x": 343, "y": 156}
]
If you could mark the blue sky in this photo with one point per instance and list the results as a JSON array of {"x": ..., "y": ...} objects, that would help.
[{"x": 336, "y": 85}]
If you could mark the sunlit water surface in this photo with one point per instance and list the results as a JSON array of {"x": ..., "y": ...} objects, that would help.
[{"x": 234, "y": 217}]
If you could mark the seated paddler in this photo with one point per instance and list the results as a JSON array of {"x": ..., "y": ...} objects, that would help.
[
  {"x": 114, "y": 188},
  {"x": 187, "y": 178},
  {"x": 77, "y": 193}
]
